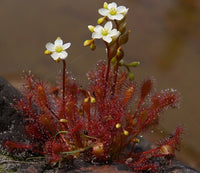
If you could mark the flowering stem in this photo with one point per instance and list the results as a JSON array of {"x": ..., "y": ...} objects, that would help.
[
  {"x": 108, "y": 65},
  {"x": 116, "y": 66},
  {"x": 64, "y": 73}
]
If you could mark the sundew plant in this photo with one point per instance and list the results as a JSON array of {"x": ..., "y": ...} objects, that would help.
[{"x": 99, "y": 123}]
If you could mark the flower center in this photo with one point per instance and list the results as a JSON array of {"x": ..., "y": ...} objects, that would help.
[
  {"x": 113, "y": 11},
  {"x": 58, "y": 49},
  {"x": 104, "y": 32}
]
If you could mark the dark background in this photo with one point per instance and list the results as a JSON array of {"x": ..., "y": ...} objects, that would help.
[{"x": 165, "y": 38}]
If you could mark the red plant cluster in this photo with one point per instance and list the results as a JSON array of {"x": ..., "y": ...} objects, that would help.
[{"x": 98, "y": 123}]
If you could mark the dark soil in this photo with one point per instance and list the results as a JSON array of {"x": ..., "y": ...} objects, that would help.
[{"x": 11, "y": 127}]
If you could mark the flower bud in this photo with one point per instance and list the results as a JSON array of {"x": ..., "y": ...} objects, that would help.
[
  {"x": 122, "y": 28},
  {"x": 120, "y": 53},
  {"x": 91, "y": 28},
  {"x": 124, "y": 38},
  {"x": 92, "y": 100},
  {"x": 101, "y": 20},
  {"x": 118, "y": 125},
  {"x": 105, "y": 5},
  {"x": 125, "y": 132},
  {"x": 113, "y": 60},
  {"x": 134, "y": 64},
  {"x": 47, "y": 52},
  {"x": 58, "y": 60},
  {"x": 88, "y": 42},
  {"x": 131, "y": 76},
  {"x": 93, "y": 46},
  {"x": 86, "y": 100}
]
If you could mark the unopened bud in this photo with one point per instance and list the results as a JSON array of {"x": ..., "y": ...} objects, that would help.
[
  {"x": 88, "y": 42},
  {"x": 125, "y": 132},
  {"x": 131, "y": 76},
  {"x": 118, "y": 125},
  {"x": 92, "y": 100},
  {"x": 91, "y": 28},
  {"x": 93, "y": 46},
  {"x": 105, "y": 5},
  {"x": 47, "y": 52},
  {"x": 122, "y": 28},
  {"x": 58, "y": 60},
  {"x": 101, "y": 20},
  {"x": 120, "y": 53},
  {"x": 113, "y": 60},
  {"x": 124, "y": 38},
  {"x": 86, "y": 100},
  {"x": 134, "y": 64}
]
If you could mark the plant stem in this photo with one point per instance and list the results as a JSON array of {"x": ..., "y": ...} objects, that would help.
[
  {"x": 108, "y": 58},
  {"x": 116, "y": 66},
  {"x": 64, "y": 74}
]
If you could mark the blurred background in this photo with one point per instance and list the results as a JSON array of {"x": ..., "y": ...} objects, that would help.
[{"x": 165, "y": 38}]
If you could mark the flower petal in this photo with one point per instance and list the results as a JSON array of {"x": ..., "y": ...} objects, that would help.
[
  {"x": 50, "y": 47},
  {"x": 55, "y": 55},
  {"x": 98, "y": 28},
  {"x": 114, "y": 32},
  {"x": 119, "y": 16},
  {"x": 103, "y": 11},
  {"x": 125, "y": 12},
  {"x": 63, "y": 55},
  {"x": 96, "y": 35},
  {"x": 66, "y": 46},
  {"x": 108, "y": 25},
  {"x": 58, "y": 42},
  {"x": 112, "y": 5},
  {"x": 107, "y": 38},
  {"x": 121, "y": 9}
]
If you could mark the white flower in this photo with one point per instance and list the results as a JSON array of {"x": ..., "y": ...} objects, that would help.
[
  {"x": 57, "y": 50},
  {"x": 106, "y": 32},
  {"x": 113, "y": 12}
]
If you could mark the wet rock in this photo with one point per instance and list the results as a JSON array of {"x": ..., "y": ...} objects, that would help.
[
  {"x": 11, "y": 122},
  {"x": 8, "y": 115},
  {"x": 178, "y": 167}
]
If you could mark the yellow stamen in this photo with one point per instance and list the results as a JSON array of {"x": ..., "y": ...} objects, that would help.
[
  {"x": 58, "y": 49},
  {"x": 113, "y": 11},
  {"x": 104, "y": 32}
]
